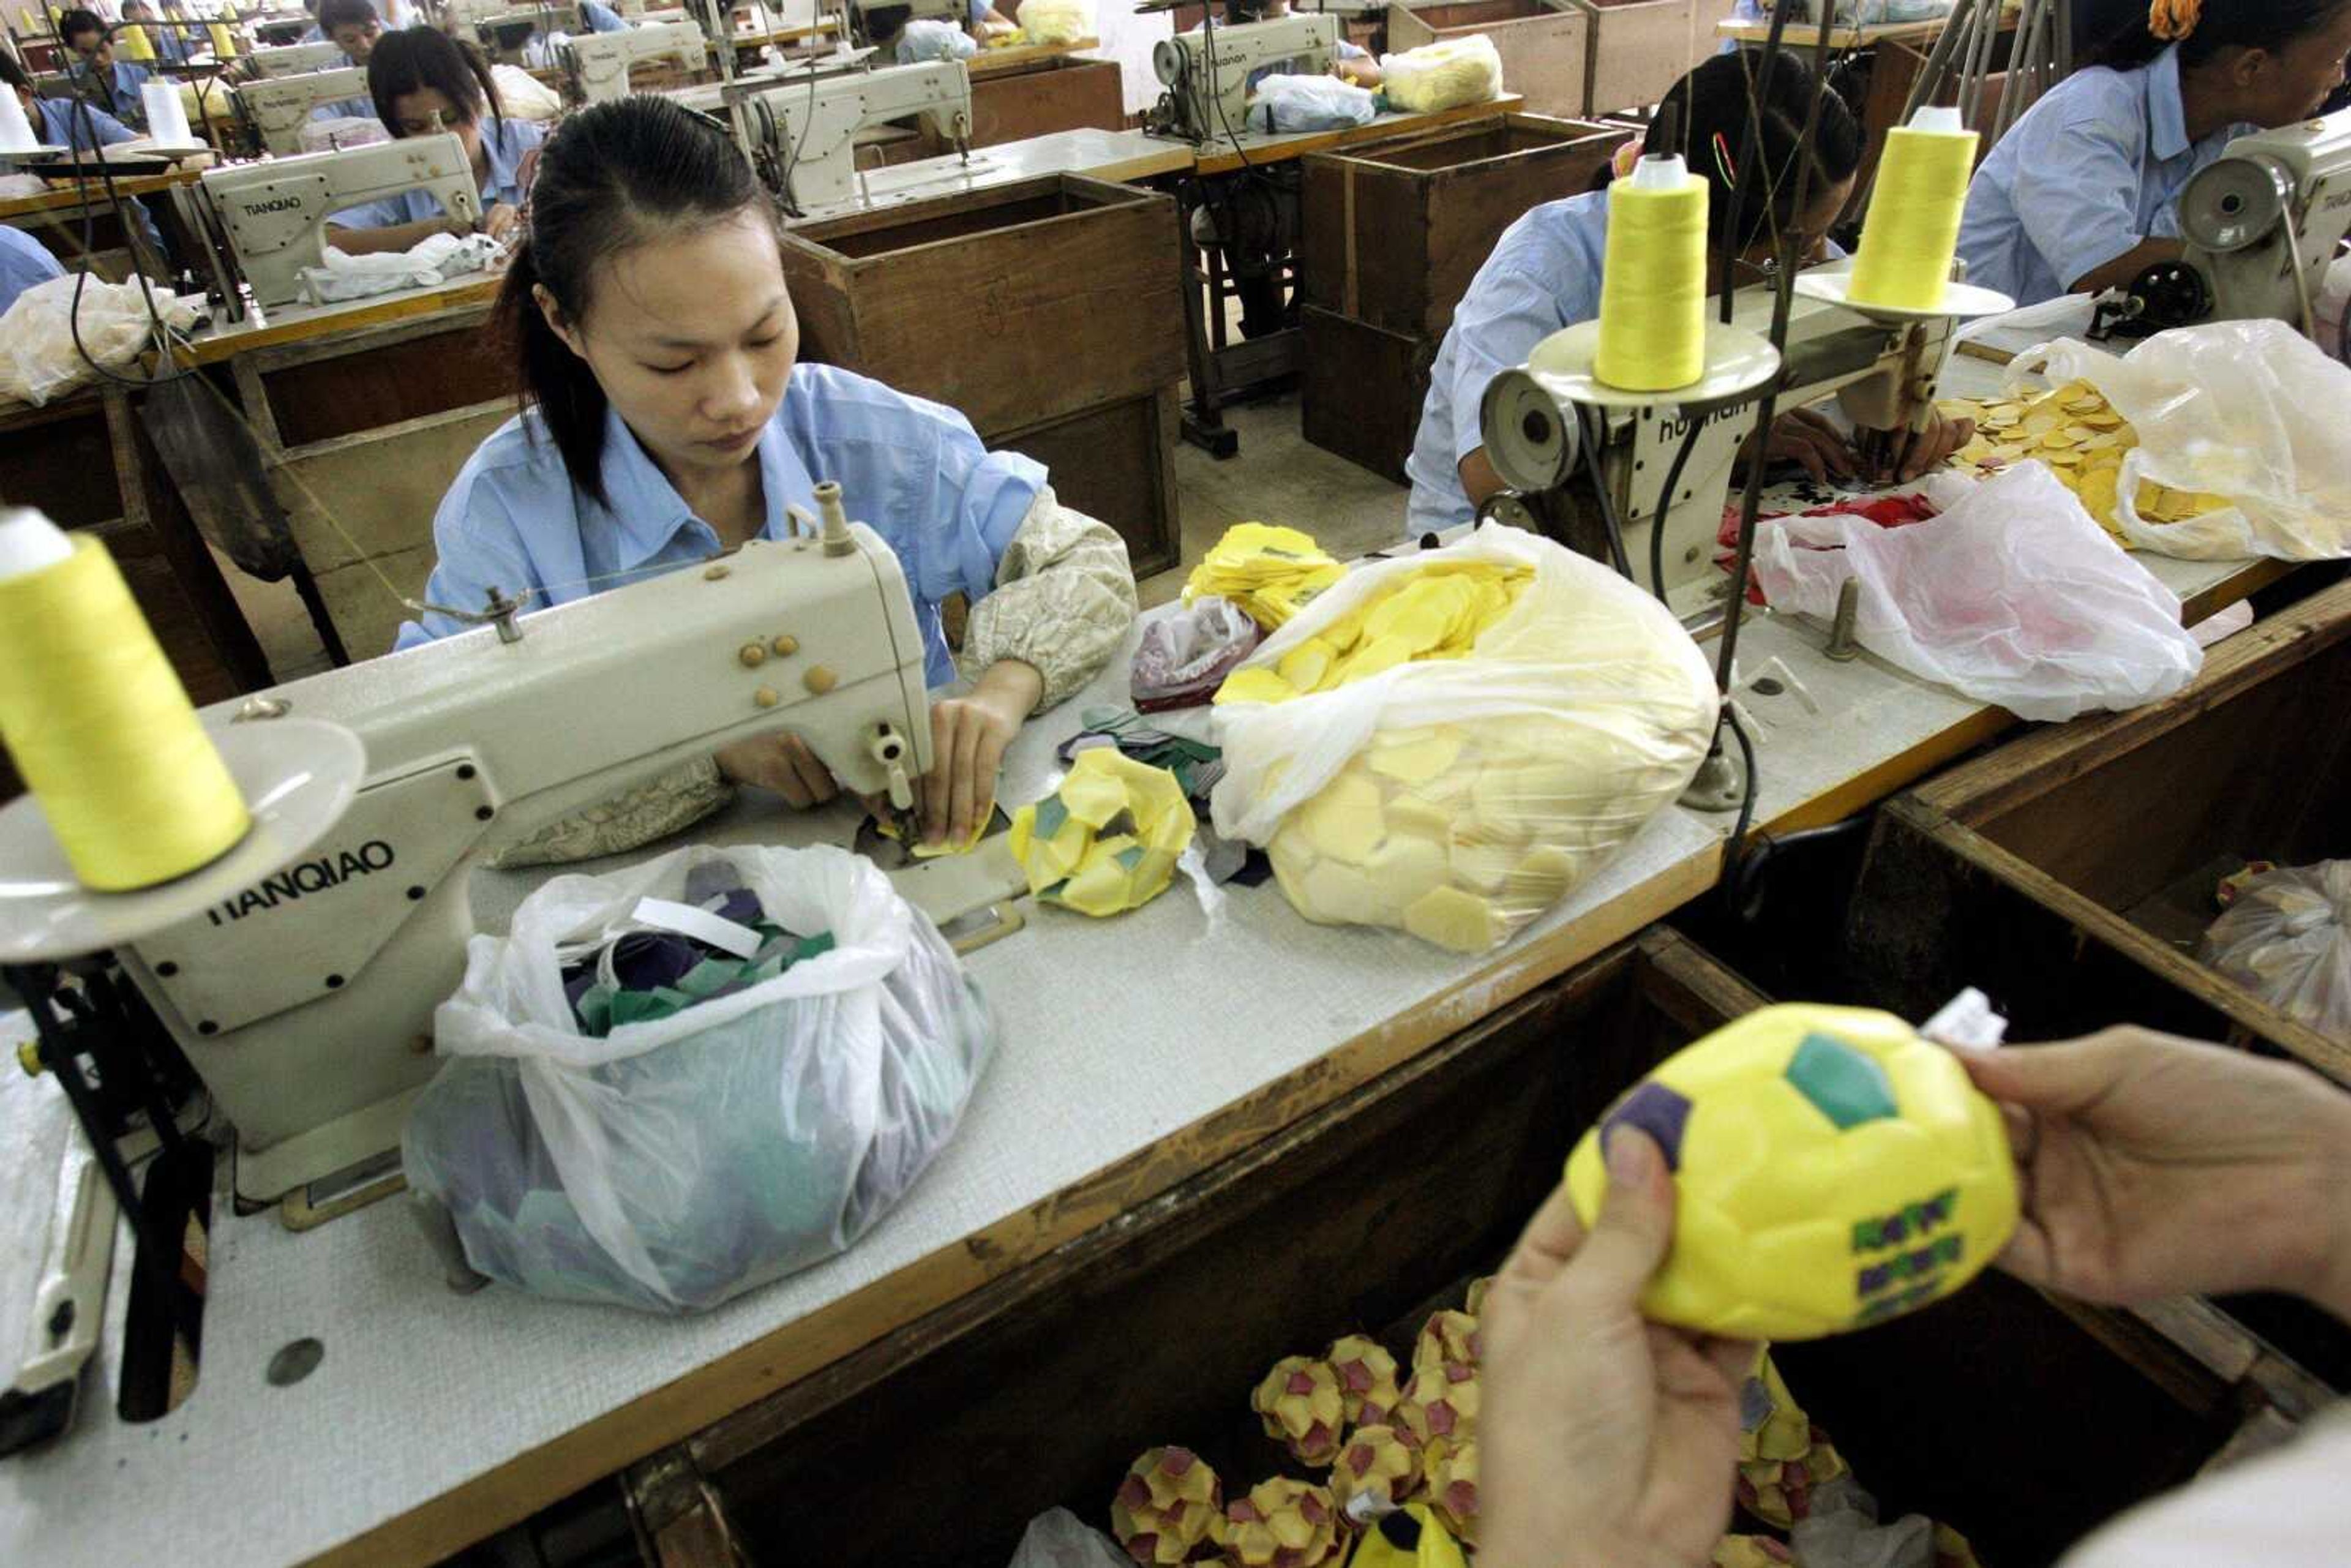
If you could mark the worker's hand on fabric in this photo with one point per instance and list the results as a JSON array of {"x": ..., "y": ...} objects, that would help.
[
  {"x": 1915, "y": 454},
  {"x": 2151, "y": 1166},
  {"x": 501, "y": 222},
  {"x": 1607, "y": 1440},
  {"x": 1365, "y": 74},
  {"x": 968, "y": 737},
  {"x": 782, "y": 763},
  {"x": 1810, "y": 440}
]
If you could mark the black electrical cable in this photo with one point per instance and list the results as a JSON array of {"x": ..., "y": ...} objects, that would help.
[
  {"x": 1590, "y": 437},
  {"x": 1734, "y": 851},
  {"x": 1665, "y": 502}
]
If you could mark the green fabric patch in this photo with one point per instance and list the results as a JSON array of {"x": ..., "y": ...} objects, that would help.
[{"x": 1847, "y": 1086}]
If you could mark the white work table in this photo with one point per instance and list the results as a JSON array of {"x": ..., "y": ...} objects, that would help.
[{"x": 1134, "y": 1052}]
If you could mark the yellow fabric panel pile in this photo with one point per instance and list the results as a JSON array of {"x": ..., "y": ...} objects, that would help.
[
  {"x": 1437, "y": 613},
  {"x": 1109, "y": 838},
  {"x": 2082, "y": 440},
  {"x": 1270, "y": 573}
]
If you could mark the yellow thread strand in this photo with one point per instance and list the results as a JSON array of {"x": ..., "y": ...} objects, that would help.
[
  {"x": 102, "y": 731},
  {"x": 1913, "y": 228},
  {"x": 1653, "y": 289}
]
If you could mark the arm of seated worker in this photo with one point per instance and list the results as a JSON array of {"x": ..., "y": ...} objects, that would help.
[
  {"x": 1353, "y": 63},
  {"x": 2119, "y": 272},
  {"x": 1496, "y": 326},
  {"x": 2076, "y": 195},
  {"x": 365, "y": 239}
]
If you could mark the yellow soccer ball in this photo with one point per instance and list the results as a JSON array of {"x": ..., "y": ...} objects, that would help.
[{"x": 1833, "y": 1170}]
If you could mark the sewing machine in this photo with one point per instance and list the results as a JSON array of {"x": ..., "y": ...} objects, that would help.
[
  {"x": 954, "y": 11},
  {"x": 305, "y": 1001},
  {"x": 1207, "y": 73},
  {"x": 293, "y": 60},
  {"x": 2262, "y": 225},
  {"x": 802, "y": 132},
  {"x": 1882, "y": 372},
  {"x": 278, "y": 106},
  {"x": 597, "y": 63},
  {"x": 269, "y": 220}
]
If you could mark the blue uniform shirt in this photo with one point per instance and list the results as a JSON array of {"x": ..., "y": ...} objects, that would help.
[
  {"x": 603, "y": 18},
  {"x": 2091, "y": 170},
  {"x": 120, "y": 83},
  {"x": 1543, "y": 277},
  {"x": 64, "y": 123},
  {"x": 345, "y": 109},
  {"x": 24, "y": 261},
  {"x": 911, "y": 470},
  {"x": 505, "y": 141},
  {"x": 171, "y": 46}
]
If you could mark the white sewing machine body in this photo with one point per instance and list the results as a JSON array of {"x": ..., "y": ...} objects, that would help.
[
  {"x": 306, "y": 1002},
  {"x": 274, "y": 213},
  {"x": 1207, "y": 72},
  {"x": 293, "y": 60},
  {"x": 1883, "y": 373},
  {"x": 277, "y": 108},
  {"x": 598, "y": 63},
  {"x": 2263, "y": 223},
  {"x": 803, "y": 132}
]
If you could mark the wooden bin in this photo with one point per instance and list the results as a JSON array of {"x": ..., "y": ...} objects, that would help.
[
  {"x": 1360, "y": 389},
  {"x": 1040, "y": 1387},
  {"x": 2071, "y": 875},
  {"x": 1391, "y": 234},
  {"x": 1543, "y": 46},
  {"x": 1046, "y": 310},
  {"x": 1639, "y": 49},
  {"x": 1046, "y": 96}
]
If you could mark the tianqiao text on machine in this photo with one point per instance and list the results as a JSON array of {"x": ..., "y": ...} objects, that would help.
[
  {"x": 1207, "y": 73},
  {"x": 802, "y": 132},
  {"x": 305, "y": 999},
  {"x": 267, "y": 221}
]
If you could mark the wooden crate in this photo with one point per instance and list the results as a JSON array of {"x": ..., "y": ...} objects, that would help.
[
  {"x": 1044, "y": 1385},
  {"x": 1360, "y": 389},
  {"x": 1391, "y": 234},
  {"x": 2071, "y": 875},
  {"x": 1050, "y": 96},
  {"x": 1117, "y": 462},
  {"x": 1639, "y": 49},
  {"x": 1543, "y": 47},
  {"x": 1019, "y": 305}
]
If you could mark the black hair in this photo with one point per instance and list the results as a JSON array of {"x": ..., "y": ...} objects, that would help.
[
  {"x": 76, "y": 22},
  {"x": 2270, "y": 25},
  {"x": 612, "y": 176},
  {"x": 1709, "y": 108},
  {"x": 334, "y": 14},
  {"x": 414, "y": 59},
  {"x": 12, "y": 72},
  {"x": 883, "y": 24}
]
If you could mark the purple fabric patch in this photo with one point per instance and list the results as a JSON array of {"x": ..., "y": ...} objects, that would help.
[{"x": 1657, "y": 1111}]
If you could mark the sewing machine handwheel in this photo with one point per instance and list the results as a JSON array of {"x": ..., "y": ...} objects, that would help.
[
  {"x": 2170, "y": 294},
  {"x": 2234, "y": 203}
]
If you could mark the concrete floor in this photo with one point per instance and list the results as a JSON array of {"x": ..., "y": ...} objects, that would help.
[{"x": 1276, "y": 477}]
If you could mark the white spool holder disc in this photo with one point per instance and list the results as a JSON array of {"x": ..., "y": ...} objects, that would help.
[
  {"x": 1736, "y": 360},
  {"x": 298, "y": 776},
  {"x": 1960, "y": 300}
]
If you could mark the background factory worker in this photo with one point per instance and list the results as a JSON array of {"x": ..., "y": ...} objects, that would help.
[
  {"x": 24, "y": 261},
  {"x": 2084, "y": 190},
  {"x": 668, "y": 419},
  {"x": 113, "y": 83},
  {"x": 172, "y": 42},
  {"x": 423, "y": 81},
  {"x": 1349, "y": 62},
  {"x": 62, "y": 122},
  {"x": 1544, "y": 277},
  {"x": 2148, "y": 1167},
  {"x": 352, "y": 26}
]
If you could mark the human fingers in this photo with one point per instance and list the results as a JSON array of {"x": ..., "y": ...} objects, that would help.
[
  {"x": 813, "y": 777},
  {"x": 1634, "y": 1229},
  {"x": 1549, "y": 1241}
]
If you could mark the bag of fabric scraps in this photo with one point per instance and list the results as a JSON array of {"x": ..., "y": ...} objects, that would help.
[
  {"x": 1295, "y": 101},
  {"x": 1186, "y": 654},
  {"x": 1451, "y": 741},
  {"x": 664, "y": 1125},
  {"x": 2285, "y": 938},
  {"x": 1443, "y": 75}
]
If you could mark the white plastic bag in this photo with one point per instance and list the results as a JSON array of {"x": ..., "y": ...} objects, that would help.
[
  {"x": 1443, "y": 75},
  {"x": 38, "y": 359},
  {"x": 679, "y": 1162},
  {"x": 1298, "y": 102},
  {"x": 1056, "y": 1537},
  {"x": 2285, "y": 940},
  {"x": 342, "y": 132},
  {"x": 925, "y": 39},
  {"x": 431, "y": 261},
  {"x": 2013, "y": 596},
  {"x": 1056, "y": 22},
  {"x": 1473, "y": 793},
  {"x": 524, "y": 95},
  {"x": 2250, "y": 411},
  {"x": 2334, "y": 299}
]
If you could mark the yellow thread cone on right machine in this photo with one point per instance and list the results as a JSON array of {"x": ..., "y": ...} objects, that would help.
[
  {"x": 1652, "y": 287},
  {"x": 99, "y": 725},
  {"x": 1913, "y": 228}
]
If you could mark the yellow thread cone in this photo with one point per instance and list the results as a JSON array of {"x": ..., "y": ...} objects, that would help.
[
  {"x": 1653, "y": 289},
  {"x": 134, "y": 44},
  {"x": 1913, "y": 228},
  {"x": 102, "y": 731}
]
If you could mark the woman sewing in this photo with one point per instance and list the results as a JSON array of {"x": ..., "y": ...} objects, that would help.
[
  {"x": 2082, "y": 195},
  {"x": 667, "y": 419},
  {"x": 1544, "y": 277},
  {"x": 421, "y": 82}
]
